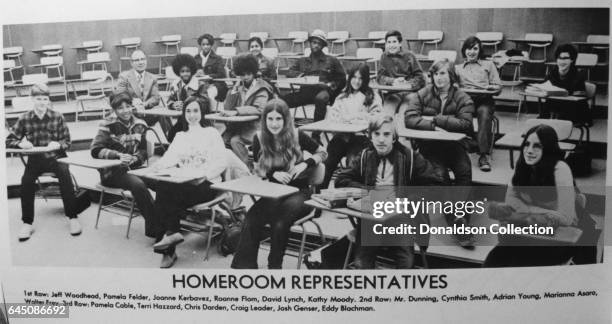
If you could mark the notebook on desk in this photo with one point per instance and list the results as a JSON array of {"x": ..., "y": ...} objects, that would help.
[{"x": 545, "y": 89}]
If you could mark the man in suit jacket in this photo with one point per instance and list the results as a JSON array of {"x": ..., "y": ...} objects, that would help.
[{"x": 142, "y": 87}]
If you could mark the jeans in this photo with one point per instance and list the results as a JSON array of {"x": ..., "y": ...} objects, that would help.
[
  {"x": 485, "y": 109},
  {"x": 141, "y": 194},
  {"x": 450, "y": 155},
  {"x": 171, "y": 201},
  {"x": 36, "y": 166},
  {"x": 342, "y": 145},
  {"x": 280, "y": 214},
  {"x": 318, "y": 96}
]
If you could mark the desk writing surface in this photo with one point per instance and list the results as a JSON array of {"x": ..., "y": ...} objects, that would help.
[
  {"x": 90, "y": 162},
  {"x": 334, "y": 127},
  {"x": 481, "y": 91},
  {"x": 173, "y": 175},
  {"x": 344, "y": 210},
  {"x": 591, "y": 44},
  {"x": 230, "y": 119},
  {"x": 232, "y": 80},
  {"x": 514, "y": 40},
  {"x": 31, "y": 151},
  {"x": 353, "y": 58},
  {"x": 513, "y": 140},
  {"x": 159, "y": 112},
  {"x": 253, "y": 185},
  {"x": 391, "y": 88},
  {"x": 430, "y": 135}
]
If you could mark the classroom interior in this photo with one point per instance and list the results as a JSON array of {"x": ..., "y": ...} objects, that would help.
[{"x": 107, "y": 245}]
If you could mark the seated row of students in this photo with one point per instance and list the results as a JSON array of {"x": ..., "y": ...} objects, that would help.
[{"x": 199, "y": 149}]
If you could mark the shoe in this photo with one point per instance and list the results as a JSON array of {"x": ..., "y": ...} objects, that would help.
[
  {"x": 168, "y": 241},
  {"x": 483, "y": 163},
  {"x": 25, "y": 232},
  {"x": 168, "y": 260},
  {"x": 75, "y": 227}
]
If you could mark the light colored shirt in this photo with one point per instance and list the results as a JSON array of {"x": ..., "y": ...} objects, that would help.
[
  {"x": 200, "y": 149},
  {"x": 351, "y": 108},
  {"x": 384, "y": 175},
  {"x": 479, "y": 74}
]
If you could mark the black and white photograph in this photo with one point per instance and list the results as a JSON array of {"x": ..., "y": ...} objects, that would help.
[{"x": 401, "y": 140}]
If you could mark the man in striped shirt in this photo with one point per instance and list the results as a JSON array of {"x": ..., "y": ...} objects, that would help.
[{"x": 43, "y": 127}]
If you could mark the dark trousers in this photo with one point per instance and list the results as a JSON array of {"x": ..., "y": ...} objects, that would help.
[
  {"x": 485, "y": 110},
  {"x": 451, "y": 155},
  {"x": 36, "y": 166},
  {"x": 318, "y": 96},
  {"x": 577, "y": 112},
  {"x": 171, "y": 201},
  {"x": 365, "y": 256},
  {"x": 141, "y": 194},
  {"x": 342, "y": 145},
  {"x": 280, "y": 214}
]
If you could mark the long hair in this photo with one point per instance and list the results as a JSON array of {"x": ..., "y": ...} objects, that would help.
[
  {"x": 204, "y": 104},
  {"x": 542, "y": 173},
  {"x": 278, "y": 151},
  {"x": 439, "y": 65},
  {"x": 469, "y": 43},
  {"x": 364, "y": 71}
]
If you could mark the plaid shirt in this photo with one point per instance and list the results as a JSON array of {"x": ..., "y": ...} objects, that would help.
[{"x": 40, "y": 132}]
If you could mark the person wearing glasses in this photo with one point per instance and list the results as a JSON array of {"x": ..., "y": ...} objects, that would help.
[
  {"x": 247, "y": 98},
  {"x": 142, "y": 87},
  {"x": 122, "y": 137},
  {"x": 565, "y": 75}
]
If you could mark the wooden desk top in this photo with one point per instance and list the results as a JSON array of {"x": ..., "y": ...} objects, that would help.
[
  {"x": 515, "y": 40},
  {"x": 334, "y": 127},
  {"x": 543, "y": 95},
  {"x": 230, "y": 119},
  {"x": 82, "y": 47},
  {"x": 159, "y": 112},
  {"x": 430, "y": 135},
  {"x": 481, "y": 91},
  {"x": 173, "y": 175},
  {"x": 513, "y": 140},
  {"x": 253, "y": 185},
  {"x": 90, "y": 162},
  {"x": 32, "y": 151},
  {"x": 391, "y": 88}
]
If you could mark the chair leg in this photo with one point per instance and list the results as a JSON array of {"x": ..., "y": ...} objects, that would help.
[
  {"x": 349, "y": 251},
  {"x": 127, "y": 234},
  {"x": 302, "y": 244},
  {"x": 99, "y": 207},
  {"x": 210, "y": 232}
]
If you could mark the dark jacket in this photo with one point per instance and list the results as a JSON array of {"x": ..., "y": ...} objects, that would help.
[
  {"x": 402, "y": 64},
  {"x": 409, "y": 168},
  {"x": 573, "y": 81},
  {"x": 456, "y": 115},
  {"x": 214, "y": 67},
  {"x": 252, "y": 103},
  {"x": 328, "y": 68},
  {"x": 115, "y": 137}
]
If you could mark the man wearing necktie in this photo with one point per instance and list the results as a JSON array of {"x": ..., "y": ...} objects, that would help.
[{"x": 142, "y": 87}]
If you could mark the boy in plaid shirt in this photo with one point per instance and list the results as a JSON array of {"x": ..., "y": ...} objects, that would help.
[{"x": 41, "y": 127}]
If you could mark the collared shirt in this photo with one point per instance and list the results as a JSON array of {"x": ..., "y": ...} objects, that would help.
[
  {"x": 479, "y": 74},
  {"x": 204, "y": 58},
  {"x": 41, "y": 132}
]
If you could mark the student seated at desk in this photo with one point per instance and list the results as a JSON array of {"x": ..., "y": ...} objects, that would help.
[
  {"x": 398, "y": 67},
  {"x": 450, "y": 109},
  {"x": 477, "y": 73},
  {"x": 356, "y": 104},
  {"x": 331, "y": 75},
  {"x": 119, "y": 138},
  {"x": 199, "y": 150},
  {"x": 386, "y": 163},
  {"x": 211, "y": 65},
  {"x": 43, "y": 126},
  {"x": 247, "y": 98},
  {"x": 277, "y": 150},
  {"x": 540, "y": 192},
  {"x": 565, "y": 75},
  {"x": 184, "y": 66},
  {"x": 266, "y": 69}
]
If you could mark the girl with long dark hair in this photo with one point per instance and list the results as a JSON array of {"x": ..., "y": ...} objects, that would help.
[{"x": 277, "y": 151}]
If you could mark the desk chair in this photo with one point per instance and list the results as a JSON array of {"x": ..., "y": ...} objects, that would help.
[
  {"x": 586, "y": 61},
  {"x": 272, "y": 53},
  {"x": 534, "y": 46},
  {"x": 13, "y": 53},
  {"x": 129, "y": 45},
  {"x": 373, "y": 55},
  {"x": 436, "y": 35},
  {"x": 52, "y": 49},
  {"x": 9, "y": 66},
  {"x": 167, "y": 41},
  {"x": 95, "y": 59},
  {"x": 339, "y": 37},
  {"x": 30, "y": 79},
  {"x": 97, "y": 88},
  {"x": 262, "y": 35},
  {"x": 228, "y": 39},
  {"x": 604, "y": 49},
  {"x": 227, "y": 53},
  {"x": 378, "y": 37},
  {"x": 299, "y": 38},
  {"x": 490, "y": 39},
  {"x": 54, "y": 63},
  {"x": 93, "y": 46}
]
